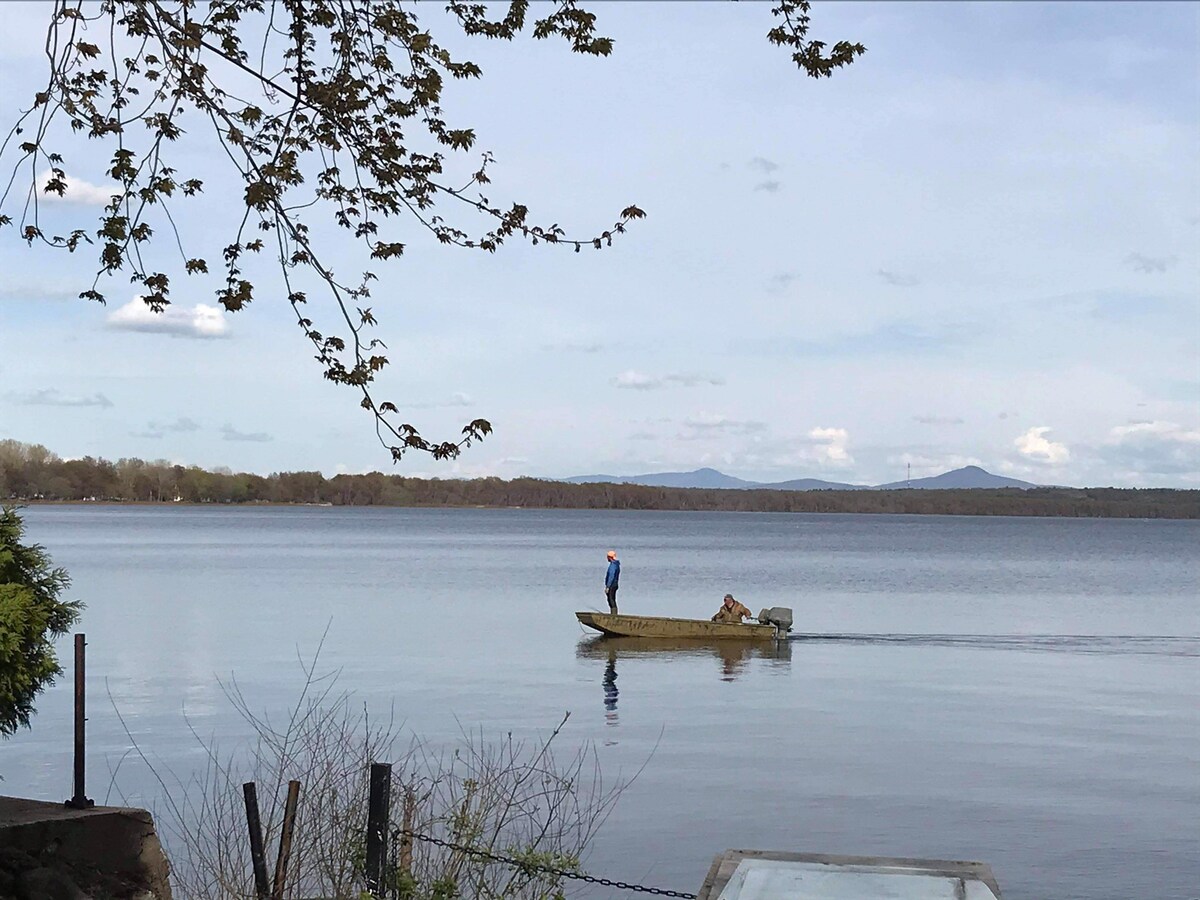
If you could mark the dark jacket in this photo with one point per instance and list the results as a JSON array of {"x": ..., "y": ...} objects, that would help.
[{"x": 613, "y": 575}]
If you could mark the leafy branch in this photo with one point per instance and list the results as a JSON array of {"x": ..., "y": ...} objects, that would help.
[{"x": 327, "y": 111}]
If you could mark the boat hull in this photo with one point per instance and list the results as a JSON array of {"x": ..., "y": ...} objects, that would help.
[{"x": 663, "y": 627}]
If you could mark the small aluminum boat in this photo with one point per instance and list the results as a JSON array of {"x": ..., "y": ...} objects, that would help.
[{"x": 662, "y": 627}]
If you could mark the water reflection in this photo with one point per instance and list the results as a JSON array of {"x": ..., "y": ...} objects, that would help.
[
  {"x": 732, "y": 656},
  {"x": 610, "y": 689}
]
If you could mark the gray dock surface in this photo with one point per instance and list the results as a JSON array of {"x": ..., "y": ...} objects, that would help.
[{"x": 771, "y": 875}]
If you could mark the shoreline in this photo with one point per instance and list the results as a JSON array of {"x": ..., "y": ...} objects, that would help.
[
  {"x": 1086, "y": 510},
  {"x": 31, "y": 474}
]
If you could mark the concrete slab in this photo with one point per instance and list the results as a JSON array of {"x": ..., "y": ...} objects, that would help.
[
  {"x": 22, "y": 811},
  {"x": 113, "y": 847},
  {"x": 770, "y": 875}
]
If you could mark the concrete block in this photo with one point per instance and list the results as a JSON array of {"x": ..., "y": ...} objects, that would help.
[
  {"x": 104, "y": 852},
  {"x": 769, "y": 875}
]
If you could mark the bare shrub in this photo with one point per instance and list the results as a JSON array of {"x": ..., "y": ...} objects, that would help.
[{"x": 507, "y": 797}]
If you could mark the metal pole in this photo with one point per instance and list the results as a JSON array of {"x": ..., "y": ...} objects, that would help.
[
  {"x": 79, "y": 800},
  {"x": 377, "y": 822},
  {"x": 258, "y": 855},
  {"x": 285, "y": 839}
]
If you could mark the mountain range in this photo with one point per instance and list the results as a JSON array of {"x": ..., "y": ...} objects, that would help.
[{"x": 957, "y": 479}]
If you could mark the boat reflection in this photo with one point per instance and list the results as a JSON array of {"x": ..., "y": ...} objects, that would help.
[{"x": 733, "y": 655}]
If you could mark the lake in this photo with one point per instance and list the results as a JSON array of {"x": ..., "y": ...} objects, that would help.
[{"x": 1025, "y": 692}]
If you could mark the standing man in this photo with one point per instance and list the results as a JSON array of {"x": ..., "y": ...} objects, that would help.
[{"x": 612, "y": 579}]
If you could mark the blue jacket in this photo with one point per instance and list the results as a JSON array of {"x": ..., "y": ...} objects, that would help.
[{"x": 613, "y": 575}]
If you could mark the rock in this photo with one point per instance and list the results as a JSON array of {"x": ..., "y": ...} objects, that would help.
[
  {"x": 48, "y": 884},
  {"x": 12, "y": 863},
  {"x": 107, "y": 853}
]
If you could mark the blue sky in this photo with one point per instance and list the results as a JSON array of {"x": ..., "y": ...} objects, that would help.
[{"x": 979, "y": 244}]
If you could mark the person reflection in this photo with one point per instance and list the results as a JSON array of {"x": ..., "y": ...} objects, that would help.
[
  {"x": 736, "y": 654},
  {"x": 733, "y": 658},
  {"x": 610, "y": 689}
]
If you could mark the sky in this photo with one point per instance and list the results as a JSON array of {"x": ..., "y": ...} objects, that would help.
[{"x": 980, "y": 244}]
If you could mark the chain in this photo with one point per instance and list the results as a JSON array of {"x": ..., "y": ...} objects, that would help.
[{"x": 537, "y": 867}]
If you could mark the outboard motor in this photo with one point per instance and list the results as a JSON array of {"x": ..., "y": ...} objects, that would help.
[{"x": 780, "y": 617}]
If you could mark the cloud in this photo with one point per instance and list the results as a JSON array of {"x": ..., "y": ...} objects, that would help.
[
  {"x": 1150, "y": 264},
  {"x": 1154, "y": 448},
  {"x": 830, "y": 446},
  {"x": 762, "y": 164},
  {"x": 42, "y": 291},
  {"x": 643, "y": 436},
  {"x": 79, "y": 192},
  {"x": 51, "y": 397},
  {"x": 938, "y": 420},
  {"x": 569, "y": 347},
  {"x": 765, "y": 166},
  {"x": 1167, "y": 431},
  {"x": 1018, "y": 470},
  {"x": 1034, "y": 446},
  {"x": 898, "y": 280},
  {"x": 1119, "y": 306},
  {"x": 781, "y": 280},
  {"x": 901, "y": 337},
  {"x": 704, "y": 424},
  {"x": 156, "y": 430},
  {"x": 229, "y": 433},
  {"x": 458, "y": 398},
  {"x": 1188, "y": 391},
  {"x": 637, "y": 381},
  {"x": 201, "y": 321},
  {"x": 501, "y": 468}
]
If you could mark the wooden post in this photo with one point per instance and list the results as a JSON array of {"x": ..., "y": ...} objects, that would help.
[
  {"x": 79, "y": 799},
  {"x": 377, "y": 823},
  {"x": 258, "y": 855},
  {"x": 285, "y": 839},
  {"x": 406, "y": 841}
]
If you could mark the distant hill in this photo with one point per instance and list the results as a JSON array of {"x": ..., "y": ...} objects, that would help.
[
  {"x": 966, "y": 477},
  {"x": 958, "y": 479},
  {"x": 811, "y": 484},
  {"x": 700, "y": 478}
]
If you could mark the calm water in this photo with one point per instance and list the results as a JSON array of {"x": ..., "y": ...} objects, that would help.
[{"x": 1021, "y": 691}]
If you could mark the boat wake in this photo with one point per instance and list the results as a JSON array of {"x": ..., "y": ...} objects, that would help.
[{"x": 1108, "y": 645}]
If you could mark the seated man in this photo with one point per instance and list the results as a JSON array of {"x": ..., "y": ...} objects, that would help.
[{"x": 731, "y": 612}]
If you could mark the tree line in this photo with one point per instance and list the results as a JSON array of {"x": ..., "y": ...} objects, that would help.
[{"x": 30, "y": 472}]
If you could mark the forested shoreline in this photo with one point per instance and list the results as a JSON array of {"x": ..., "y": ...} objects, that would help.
[{"x": 30, "y": 473}]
